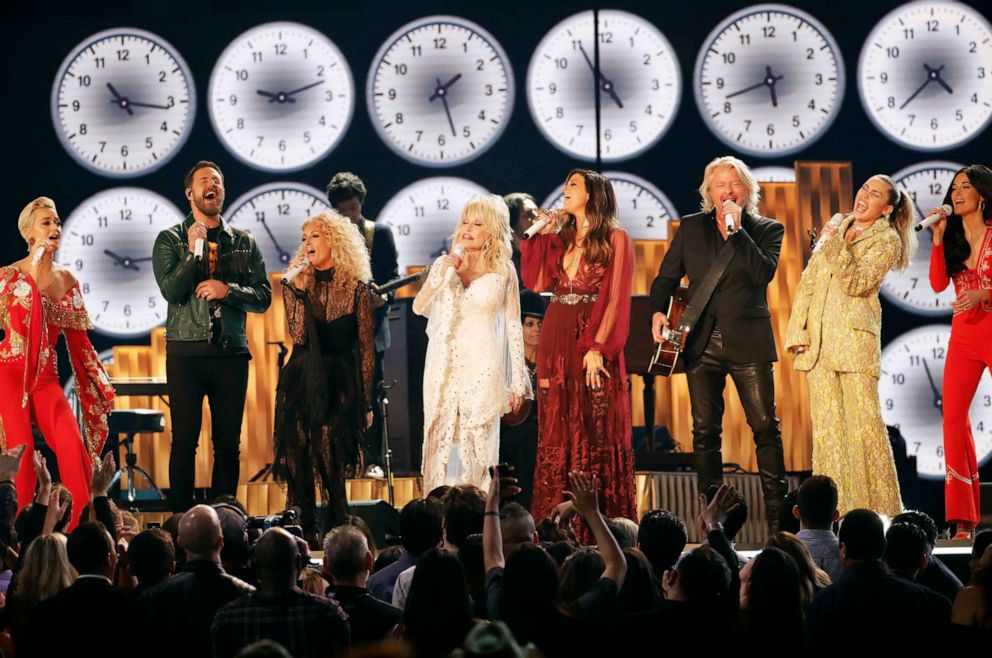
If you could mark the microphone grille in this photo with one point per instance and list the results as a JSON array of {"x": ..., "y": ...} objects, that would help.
[{"x": 459, "y": 250}]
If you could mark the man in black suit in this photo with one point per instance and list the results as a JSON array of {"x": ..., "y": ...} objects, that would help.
[
  {"x": 75, "y": 622},
  {"x": 346, "y": 193},
  {"x": 733, "y": 334},
  {"x": 347, "y": 563}
]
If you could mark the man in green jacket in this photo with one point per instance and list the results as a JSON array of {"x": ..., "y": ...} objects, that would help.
[{"x": 211, "y": 274}]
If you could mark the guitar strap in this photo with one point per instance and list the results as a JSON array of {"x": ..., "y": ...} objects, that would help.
[
  {"x": 369, "y": 234},
  {"x": 706, "y": 287}
]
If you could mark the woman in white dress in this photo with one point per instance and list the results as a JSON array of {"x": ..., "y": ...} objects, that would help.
[{"x": 475, "y": 369}]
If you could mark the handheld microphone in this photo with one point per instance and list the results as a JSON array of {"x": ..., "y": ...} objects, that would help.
[
  {"x": 294, "y": 271},
  {"x": 39, "y": 251},
  {"x": 198, "y": 246},
  {"x": 449, "y": 274},
  {"x": 728, "y": 218},
  {"x": 835, "y": 221},
  {"x": 934, "y": 218},
  {"x": 539, "y": 225}
]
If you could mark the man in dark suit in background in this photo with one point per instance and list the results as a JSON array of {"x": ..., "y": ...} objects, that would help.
[
  {"x": 733, "y": 334},
  {"x": 346, "y": 193}
]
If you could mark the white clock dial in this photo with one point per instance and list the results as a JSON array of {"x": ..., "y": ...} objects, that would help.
[
  {"x": 440, "y": 91},
  {"x": 644, "y": 210},
  {"x": 639, "y": 85},
  {"x": 925, "y": 75},
  {"x": 926, "y": 184},
  {"x": 910, "y": 394},
  {"x": 774, "y": 174},
  {"x": 274, "y": 214},
  {"x": 107, "y": 245},
  {"x": 123, "y": 102},
  {"x": 281, "y": 97},
  {"x": 423, "y": 216},
  {"x": 769, "y": 80}
]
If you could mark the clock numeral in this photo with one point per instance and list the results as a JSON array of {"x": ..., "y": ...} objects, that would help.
[
  {"x": 82, "y": 129},
  {"x": 479, "y": 65},
  {"x": 86, "y": 240},
  {"x": 76, "y": 105},
  {"x": 127, "y": 310},
  {"x": 482, "y": 115},
  {"x": 256, "y": 55},
  {"x": 809, "y": 53},
  {"x": 86, "y": 288},
  {"x": 320, "y": 71},
  {"x": 328, "y": 95},
  {"x": 241, "y": 74},
  {"x": 416, "y": 51},
  {"x": 124, "y": 151},
  {"x": 940, "y": 451},
  {"x": 892, "y": 52},
  {"x": 560, "y": 112},
  {"x": 888, "y": 406},
  {"x": 561, "y": 63},
  {"x": 125, "y": 214},
  {"x": 101, "y": 222},
  {"x": 78, "y": 264},
  {"x": 987, "y": 400},
  {"x": 233, "y": 99},
  {"x": 650, "y": 221},
  {"x": 818, "y": 79},
  {"x": 161, "y": 76},
  {"x": 403, "y": 229},
  {"x": 552, "y": 89},
  {"x": 606, "y": 37},
  {"x": 420, "y": 133},
  {"x": 399, "y": 117},
  {"x": 86, "y": 81},
  {"x": 418, "y": 211},
  {"x": 466, "y": 132},
  {"x": 720, "y": 83},
  {"x": 399, "y": 69},
  {"x": 770, "y": 129},
  {"x": 633, "y": 126},
  {"x": 769, "y": 31},
  {"x": 647, "y": 59},
  {"x": 282, "y": 208},
  {"x": 306, "y": 137},
  {"x": 898, "y": 379},
  {"x": 909, "y": 34},
  {"x": 745, "y": 39},
  {"x": 727, "y": 108},
  {"x": 148, "y": 142},
  {"x": 100, "y": 62},
  {"x": 648, "y": 111},
  {"x": 280, "y": 48},
  {"x": 980, "y": 427},
  {"x": 607, "y": 134},
  {"x": 282, "y": 144},
  {"x": 240, "y": 124},
  {"x": 812, "y": 104},
  {"x": 123, "y": 55},
  {"x": 974, "y": 98},
  {"x": 729, "y": 57},
  {"x": 972, "y": 47},
  {"x": 933, "y": 26},
  {"x": 883, "y": 77},
  {"x": 392, "y": 94},
  {"x": 933, "y": 123},
  {"x": 981, "y": 72},
  {"x": 322, "y": 121},
  {"x": 795, "y": 120},
  {"x": 958, "y": 115},
  {"x": 440, "y": 43},
  {"x": 489, "y": 90},
  {"x": 440, "y": 140},
  {"x": 152, "y": 302},
  {"x": 891, "y": 102},
  {"x": 443, "y": 204},
  {"x": 938, "y": 352},
  {"x": 164, "y": 127}
]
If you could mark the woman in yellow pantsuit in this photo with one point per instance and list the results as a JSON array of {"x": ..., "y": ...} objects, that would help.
[{"x": 834, "y": 335}]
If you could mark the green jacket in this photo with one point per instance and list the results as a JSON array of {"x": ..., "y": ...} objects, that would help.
[{"x": 239, "y": 265}]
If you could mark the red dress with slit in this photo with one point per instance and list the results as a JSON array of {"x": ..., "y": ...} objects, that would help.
[
  {"x": 30, "y": 389},
  {"x": 581, "y": 429}
]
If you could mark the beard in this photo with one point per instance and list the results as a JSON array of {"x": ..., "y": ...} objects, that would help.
[{"x": 209, "y": 207}]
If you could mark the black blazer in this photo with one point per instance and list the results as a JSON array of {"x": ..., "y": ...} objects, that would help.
[{"x": 739, "y": 303}]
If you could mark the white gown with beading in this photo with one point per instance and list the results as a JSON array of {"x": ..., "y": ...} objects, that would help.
[{"x": 475, "y": 361}]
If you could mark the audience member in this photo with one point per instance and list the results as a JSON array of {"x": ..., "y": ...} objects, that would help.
[
  {"x": 44, "y": 573},
  {"x": 641, "y": 591},
  {"x": 151, "y": 558},
  {"x": 772, "y": 605},
  {"x": 812, "y": 577},
  {"x": 234, "y": 528},
  {"x": 661, "y": 537},
  {"x": 517, "y": 527},
  {"x": 438, "y": 612},
  {"x": 973, "y": 605},
  {"x": 306, "y": 625},
  {"x": 421, "y": 523},
  {"x": 312, "y": 581},
  {"x": 816, "y": 509},
  {"x": 934, "y": 573}
]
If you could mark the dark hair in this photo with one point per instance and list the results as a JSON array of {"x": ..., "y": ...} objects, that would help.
[
  {"x": 515, "y": 522},
  {"x": 151, "y": 555},
  {"x": 420, "y": 525},
  {"x": 438, "y": 612},
  {"x": 862, "y": 535},
  {"x": 817, "y": 501},
  {"x": 774, "y": 598},
  {"x": 345, "y": 185},
  {"x": 640, "y": 591},
  {"x": 922, "y": 521},
  {"x": 529, "y": 595},
  {"x": 956, "y": 247},
  {"x": 982, "y": 541},
  {"x": 171, "y": 526},
  {"x": 438, "y": 492},
  {"x": 559, "y": 551},
  {"x": 787, "y": 521},
  {"x": 905, "y": 546},
  {"x": 387, "y": 556},
  {"x": 812, "y": 578},
  {"x": 662, "y": 537},
  {"x": 473, "y": 565},
  {"x": 704, "y": 576},
  {"x": 234, "y": 529},
  {"x": 601, "y": 211},
  {"x": 345, "y": 548},
  {"x": 515, "y": 202},
  {"x": 579, "y": 573},
  {"x": 201, "y": 164},
  {"x": 463, "y": 512},
  {"x": 88, "y": 547}
]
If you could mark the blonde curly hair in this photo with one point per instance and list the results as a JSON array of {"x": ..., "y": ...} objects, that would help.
[
  {"x": 495, "y": 216},
  {"x": 25, "y": 221},
  {"x": 351, "y": 258}
]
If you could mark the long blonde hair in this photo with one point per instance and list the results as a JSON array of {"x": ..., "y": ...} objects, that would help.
[
  {"x": 46, "y": 571},
  {"x": 753, "y": 189},
  {"x": 25, "y": 221},
  {"x": 901, "y": 219},
  {"x": 351, "y": 258},
  {"x": 495, "y": 216}
]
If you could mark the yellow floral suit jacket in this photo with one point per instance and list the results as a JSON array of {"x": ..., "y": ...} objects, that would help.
[{"x": 836, "y": 311}]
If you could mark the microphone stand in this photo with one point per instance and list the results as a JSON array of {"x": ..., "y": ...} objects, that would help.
[{"x": 387, "y": 453}]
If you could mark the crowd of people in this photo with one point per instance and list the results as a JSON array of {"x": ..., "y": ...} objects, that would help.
[{"x": 477, "y": 574}]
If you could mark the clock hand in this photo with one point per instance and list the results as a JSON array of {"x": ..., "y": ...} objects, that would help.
[
  {"x": 770, "y": 80},
  {"x": 124, "y": 262},
  {"x": 157, "y": 107},
  {"x": 937, "y": 399},
  {"x": 303, "y": 88},
  {"x": 931, "y": 76},
  {"x": 441, "y": 92},
  {"x": 746, "y": 89},
  {"x": 120, "y": 101},
  {"x": 935, "y": 74},
  {"x": 282, "y": 254},
  {"x": 280, "y": 97},
  {"x": 605, "y": 82}
]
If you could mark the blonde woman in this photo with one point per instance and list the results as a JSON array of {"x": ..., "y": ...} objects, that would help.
[
  {"x": 46, "y": 572},
  {"x": 324, "y": 397},
  {"x": 475, "y": 368},
  {"x": 834, "y": 335}
]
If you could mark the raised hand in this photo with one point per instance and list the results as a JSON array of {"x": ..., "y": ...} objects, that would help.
[{"x": 103, "y": 474}]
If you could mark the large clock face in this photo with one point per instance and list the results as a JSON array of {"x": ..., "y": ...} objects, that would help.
[
  {"x": 638, "y": 82},
  {"x": 107, "y": 245},
  {"x": 925, "y": 75},
  {"x": 423, "y": 217},
  {"x": 774, "y": 174},
  {"x": 644, "y": 210},
  {"x": 440, "y": 91},
  {"x": 274, "y": 214},
  {"x": 123, "y": 102},
  {"x": 910, "y": 391},
  {"x": 926, "y": 184},
  {"x": 281, "y": 96},
  {"x": 769, "y": 80}
]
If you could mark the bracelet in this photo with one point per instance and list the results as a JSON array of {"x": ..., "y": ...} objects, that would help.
[
  {"x": 491, "y": 513},
  {"x": 710, "y": 527}
]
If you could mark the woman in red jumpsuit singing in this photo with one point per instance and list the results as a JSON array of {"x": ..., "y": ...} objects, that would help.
[
  {"x": 962, "y": 252},
  {"x": 586, "y": 261},
  {"x": 38, "y": 301}
]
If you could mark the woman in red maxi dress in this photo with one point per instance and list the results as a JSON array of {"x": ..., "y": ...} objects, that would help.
[
  {"x": 586, "y": 261},
  {"x": 962, "y": 252},
  {"x": 32, "y": 318}
]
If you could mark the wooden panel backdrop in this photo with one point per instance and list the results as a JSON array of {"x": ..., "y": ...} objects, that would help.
[{"x": 821, "y": 189}]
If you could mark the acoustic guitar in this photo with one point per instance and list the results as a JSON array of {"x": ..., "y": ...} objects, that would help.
[{"x": 665, "y": 361}]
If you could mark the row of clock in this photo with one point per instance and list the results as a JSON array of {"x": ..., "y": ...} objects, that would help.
[{"x": 768, "y": 81}]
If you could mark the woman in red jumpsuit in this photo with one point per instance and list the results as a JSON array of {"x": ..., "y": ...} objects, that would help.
[
  {"x": 39, "y": 301},
  {"x": 962, "y": 252},
  {"x": 586, "y": 261}
]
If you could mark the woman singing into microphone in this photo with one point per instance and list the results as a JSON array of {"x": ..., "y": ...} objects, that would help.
[
  {"x": 475, "y": 368},
  {"x": 38, "y": 302},
  {"x": 834, "y": 334},
  {"x": 324, "y": 396},
  {"x": 962, "y": 252},
  {"x": 586, "y": 261}
]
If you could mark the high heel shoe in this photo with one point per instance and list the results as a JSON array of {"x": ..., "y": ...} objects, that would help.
[{"x": 964, "y": 532}]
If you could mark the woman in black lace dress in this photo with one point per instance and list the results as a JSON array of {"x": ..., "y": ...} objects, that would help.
[{"x": 324, "y": 397}]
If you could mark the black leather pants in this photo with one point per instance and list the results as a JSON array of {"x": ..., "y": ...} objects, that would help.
[{"x": 707, "y": 378}]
